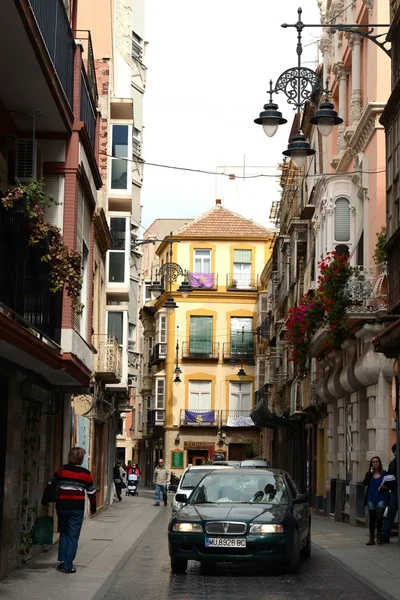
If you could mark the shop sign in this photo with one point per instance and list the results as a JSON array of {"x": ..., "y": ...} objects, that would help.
[{"x": 197, "y": 445}]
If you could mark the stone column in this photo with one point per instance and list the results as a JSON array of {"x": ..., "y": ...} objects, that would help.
[
  {"x": 356, "y": 99},
  {"x": 341, "y": 77}
]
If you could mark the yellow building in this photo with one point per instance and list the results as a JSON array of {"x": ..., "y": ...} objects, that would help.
[{"x": 205, "y": 341}]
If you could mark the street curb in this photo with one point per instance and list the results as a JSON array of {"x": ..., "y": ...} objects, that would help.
[
  {"x": 346, "y": 567},
  {"x": 123, "y": 560}
]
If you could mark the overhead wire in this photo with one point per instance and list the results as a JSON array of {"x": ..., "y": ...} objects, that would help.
[{"x": 234, "y": 176}]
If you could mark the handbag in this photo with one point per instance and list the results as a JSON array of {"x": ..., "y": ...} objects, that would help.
[{"x": 42, "y": 532}]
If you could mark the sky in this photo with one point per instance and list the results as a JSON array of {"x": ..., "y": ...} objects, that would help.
[{"x": 209, "y": 65}]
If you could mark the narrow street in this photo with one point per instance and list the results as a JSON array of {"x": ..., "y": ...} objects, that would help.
[{"x": 123, "y": 554}]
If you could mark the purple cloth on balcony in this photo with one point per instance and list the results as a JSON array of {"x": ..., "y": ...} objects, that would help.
[
  {"x": 201, "y": 280},
  {"x": 192, "y": 416},
  {"x": 240, "y": 422}
]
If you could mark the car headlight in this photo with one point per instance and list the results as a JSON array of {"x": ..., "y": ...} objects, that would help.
[
  {"x": 187, "y": 527},
  {"x": 264, "y": 528}
]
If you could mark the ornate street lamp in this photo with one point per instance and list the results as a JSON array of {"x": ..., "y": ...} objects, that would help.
[
  {"x": 177, "y": 370},
  {"x": 298, "y": 84}
]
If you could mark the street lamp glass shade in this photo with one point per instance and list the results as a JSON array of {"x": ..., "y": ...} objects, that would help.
[
  {"x": 325, "y": 126},
  {"x": 270, "y": 118},
  {"x": 299, "y": 157},
  {"x": 170, "y": 305},
  {"x": 185, "y": 288},
  {"x": 177, "y": 370},
  {"x": 270, "y": 127},
  {"x": 298, "y": 150},
  {"x": 241, "y": 373},
  {"x": 177, "y": 379},
  {"x": 326, "y": 118}
]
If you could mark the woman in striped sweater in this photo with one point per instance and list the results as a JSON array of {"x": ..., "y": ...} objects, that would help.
[{"x": 72, "y": 481}]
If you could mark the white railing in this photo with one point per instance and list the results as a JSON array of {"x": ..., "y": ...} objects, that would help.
[
  {"x": 108, "y": 359},
  {"x": 367, "y": 288}
]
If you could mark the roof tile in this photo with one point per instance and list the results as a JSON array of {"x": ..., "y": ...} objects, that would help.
[{"x": 221, "y": 222}]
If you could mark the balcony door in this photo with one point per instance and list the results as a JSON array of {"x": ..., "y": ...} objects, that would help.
[
  {"x": 202, "y": 261},
  {"x": 200, "y": 340},
  {"x": 242, "y": 336},
  {"x": 242, "y": 268},
  {"x": 200, "y": 395},
  {"x": 240, "y": 402}
]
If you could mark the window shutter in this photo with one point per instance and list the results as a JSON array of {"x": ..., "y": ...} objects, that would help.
[
  {"x": 242, "y": 256},
  {"x": 201, "y": 335},
  {"x": 342, "y": 220},
  {"x": 160, "y": 394},
  {"x": 54, "y": 213}
]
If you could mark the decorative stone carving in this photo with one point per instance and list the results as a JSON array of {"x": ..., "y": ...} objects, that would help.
[
  {"x": 334, "y": 386},
  {"x": 348, "y": 379},
  {"x": 370, "y": 5},
  {"x": 371, "y": 363}
]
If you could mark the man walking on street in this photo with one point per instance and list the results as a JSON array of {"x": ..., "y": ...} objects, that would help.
[
  {"x": 393, "y": 501},
  {"x": 161, "y": 480}
]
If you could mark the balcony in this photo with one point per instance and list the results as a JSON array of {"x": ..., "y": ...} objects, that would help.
[
  {"x": 194, "y": 350},
  {"x": 159, "y": 354},
  {"x": 89, "y": 93},
  {"x": 108, "y": 360},
  {"x": 236, "y": 418},
  {"x": 199, "y": 418},
  {"x": 24, "y": 280},
  {"x": 241, "y": 282},
  {"x": 52, "y": 20},
  {"x": 203, "y": 281},
  {"x": 232, "y": 351},
  {"x": 155, "y": 418},
  {"x": 367, "y": 289}
]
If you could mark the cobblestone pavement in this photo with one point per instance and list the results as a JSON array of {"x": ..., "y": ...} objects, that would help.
[{"x": 146, "y": 575}]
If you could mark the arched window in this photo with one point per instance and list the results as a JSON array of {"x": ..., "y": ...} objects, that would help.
[{"x": 342, "y": 220}]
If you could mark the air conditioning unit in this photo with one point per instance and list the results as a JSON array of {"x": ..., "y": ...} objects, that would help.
[
  {"x": 29, "y": 163},
  {"x": 132, "y": 381}
]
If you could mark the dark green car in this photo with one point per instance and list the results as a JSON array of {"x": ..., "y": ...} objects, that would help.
[{"x": 242, "y": 515}]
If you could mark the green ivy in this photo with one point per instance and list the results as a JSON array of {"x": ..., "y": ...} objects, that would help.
[{"x": 380, "y": 254}]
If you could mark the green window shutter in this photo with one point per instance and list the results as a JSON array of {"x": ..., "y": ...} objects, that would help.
[
  {"x": 200, "y": 335},
  {"x": 342, "y": 220},
  {"x": 242, "y": 256}
]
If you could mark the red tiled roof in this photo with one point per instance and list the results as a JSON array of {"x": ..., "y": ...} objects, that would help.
[{"x": 221, "y": 222}]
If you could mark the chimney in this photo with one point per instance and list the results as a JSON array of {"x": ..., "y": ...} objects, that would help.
[{"x": 218, "y": 202}]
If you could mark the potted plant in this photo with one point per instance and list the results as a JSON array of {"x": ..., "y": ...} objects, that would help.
[
  {"x": 232, "y": 284},
  {"x": 65, "y": 265}
]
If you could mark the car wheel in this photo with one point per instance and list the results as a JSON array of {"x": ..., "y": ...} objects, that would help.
[
  {"x": 207, "y": 568},
  {"x": 178, "y": 565},
  {"x": 306, "y": 551},
  {"x": 294, "y": 563}
]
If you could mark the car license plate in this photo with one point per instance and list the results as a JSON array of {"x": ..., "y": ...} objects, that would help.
[{"x": 225, "y": 542}]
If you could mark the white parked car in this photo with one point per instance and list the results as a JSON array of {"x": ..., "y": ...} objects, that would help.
[
  {"x": 190, "y": 478},
  {"x": 255, "y": 463}
]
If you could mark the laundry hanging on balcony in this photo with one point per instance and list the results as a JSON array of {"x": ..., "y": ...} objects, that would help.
[
  {"x": 192, "y": 416},
  {"x": 201, "y": 280},
  {"x": 240, "y": 422}
]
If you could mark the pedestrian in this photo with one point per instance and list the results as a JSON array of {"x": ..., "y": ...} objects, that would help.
[
  {"x": 376, "y": 498},
  {"x": 71, "y": 482},
  {"x": 118, "y": 480},
  {"x": 393, "y": 500},
  {"x": 129, "y": 467},
  {"x": 161, "y": 479}
]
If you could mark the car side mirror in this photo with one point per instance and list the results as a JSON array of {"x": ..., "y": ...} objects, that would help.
[
  {"x": 181, "y": 498},
  {"x": 301, "y": 499}
]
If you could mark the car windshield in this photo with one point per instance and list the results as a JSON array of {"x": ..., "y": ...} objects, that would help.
[
  {"x": 250, "y": 488},
  {"x": 192, "y": 478}
]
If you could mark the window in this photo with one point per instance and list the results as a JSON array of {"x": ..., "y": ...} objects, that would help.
[
  {"x": 120, "y": 150},
  {"x": 242, "y": 336},
  {"x": 202, "y": 261},
  {"x": 342, "y": 220},
  {"x": 199, "y": 395},
  {"x": 160, "y": 394},
  {"x": 85, "y": 292},
  {"x": 200, "y": 340},
  {"x": 162, "y": 330},
  {"x": 242, "y": 268},
  {"x": 147, "y": 291},
  {"x": 115, "y": 325},
  {"x": 240, "y": 396},
  {"x": 117, "y": 255}
]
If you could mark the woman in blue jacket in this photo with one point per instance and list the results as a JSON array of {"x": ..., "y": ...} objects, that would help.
[{"x": 376, "y": 498}]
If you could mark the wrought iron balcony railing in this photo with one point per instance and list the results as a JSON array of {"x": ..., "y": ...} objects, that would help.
[
  {"x": 197, "y": 350},
  {"x": 236, "y": 418},
  {"x": 108, "y": 360},
  {"x": 52, "y": 20},
  {"x": 89, "y": 93},
  {"x": 203, "y": 281},
  {"x": 241, "y": 281},
  {"x": 198, "y": 417},
  {"x": 232, "y": 351},
  {"x": 367, "y": 288},
  {"x": 24, "y": 279}
]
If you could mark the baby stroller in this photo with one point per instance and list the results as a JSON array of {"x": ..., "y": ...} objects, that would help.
[{"x": 132, "y": 485}]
